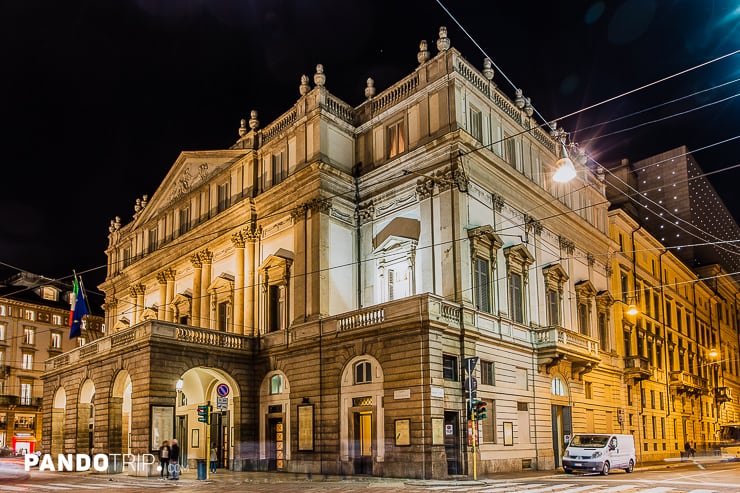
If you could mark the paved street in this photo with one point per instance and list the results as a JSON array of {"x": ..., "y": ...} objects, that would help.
[{"x": 671, "y": 478}]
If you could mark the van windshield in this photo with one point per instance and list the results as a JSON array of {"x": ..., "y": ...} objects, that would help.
[{"x": 589, "y": 441}]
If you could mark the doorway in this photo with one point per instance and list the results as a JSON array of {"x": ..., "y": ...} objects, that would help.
[
  {"x": 561, "y": 426},
  {"x": 275, "y": 445},
  {"x": 182, "y": 438},
  {"x": 452, "y": 442},
  {"x": 362, "y": 450}
]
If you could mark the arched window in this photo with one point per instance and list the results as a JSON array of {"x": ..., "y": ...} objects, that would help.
[
  {"x": 363, "y": 372},
  {"x": 557, "y": 387},
  {"x": 276, "y": 384}
]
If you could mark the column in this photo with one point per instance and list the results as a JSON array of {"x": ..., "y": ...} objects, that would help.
[
  {"x": 239, "y": 241},
  {"x": 140, "y": 290},
  {"x": 197, "y": 295},
  {"x": 250, "y": 302},
  {"x": 162, "y": 306},
  {"x": 170, "y": 295},
  {"x": 206, "y": 258},
  {"x": 135, "y": 306}
]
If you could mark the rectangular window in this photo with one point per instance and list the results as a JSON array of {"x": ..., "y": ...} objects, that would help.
[
  {"x": 516, "y": 301},
  {"x": 2, "y": 332},
  {"x": 81, "y": 341},
  {"x": 223, "y": 310},
  {"x": 655, "y": 428},
  {"x": 29, "y": 336},
  {"x": 629, "y": 395},
  {"x": 391, "y": 284},
  {"x": 476, "y": 124},
  {"x": 3, "y": 311},
  {"x": 669, "y": 313},
  {"x": 184, "y": 220},
  {"x": 56, "y": 340},
  {"x": 153, "y": 239},
  {"x": 652, "y": 399},
  {"x": 510, "y": 149},
  {"x": 603, "y": 332},
  {"x": 27, "y": 361},
  {"x": 449, "y": 367},
  {"x": 482, "y": 283},
  {"x": 661, "y": 401},
  {"x": 396, "y": 139},
  {"x": 126, "y": 257},
  {"x": 624, "y": 283},
  {"x": 277, "y": 307},
  {"x": 679, "y": 319},
  {"x": 583, "y": 324},
  {"x": 588, "y": 390},
  {"x": 553, "y": 307},
  {"x": 279, "y": 168},
  {"x": 49, "y": 293},
  {"x": 29, "y": 315},
  {"x": 26, "y": 393},
  {"x": 627, "y": 338},
  {"x": 56, "y": 319},
  {"x": 223, "y": 197},
  {"x": 487, "y": 373},
  {"x": 662, "y": 429}
]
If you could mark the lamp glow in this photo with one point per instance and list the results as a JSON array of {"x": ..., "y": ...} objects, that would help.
[
  {"x": 565, "y": 171},
  {"x": 632, "y": 310}
]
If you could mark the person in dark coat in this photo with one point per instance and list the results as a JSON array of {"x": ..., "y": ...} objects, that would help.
[{"x": 175, "y": 459}]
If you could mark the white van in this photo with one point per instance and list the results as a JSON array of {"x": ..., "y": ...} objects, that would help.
[{"x": 599, "y": 453}]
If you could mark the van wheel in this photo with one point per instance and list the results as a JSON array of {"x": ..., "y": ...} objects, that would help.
[
  {"x": 605, "y": 469},
  {"x": 630, "y": 467},
  {"x": 568, "y": 470}
]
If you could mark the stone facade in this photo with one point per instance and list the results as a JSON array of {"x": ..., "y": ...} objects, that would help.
[{"x": 323, "y": 281}]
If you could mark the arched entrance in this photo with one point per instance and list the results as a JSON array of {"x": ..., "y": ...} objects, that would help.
[
  {"x": 361, "y": 428},
  {"x": 198, "y": 387},
  {"x": 275, "y": 429},
  {"x": 119, "y": 414},
  {"x": 86, "y": 417},
  {"x": 58, "y": 411}
]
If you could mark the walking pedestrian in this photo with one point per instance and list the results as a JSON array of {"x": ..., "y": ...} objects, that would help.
[
  {"x": 175, "y": 459},
  {"x": 164, "y": 460}
]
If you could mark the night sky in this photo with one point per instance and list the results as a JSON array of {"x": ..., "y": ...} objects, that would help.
[{"x": 100, "y": 97}]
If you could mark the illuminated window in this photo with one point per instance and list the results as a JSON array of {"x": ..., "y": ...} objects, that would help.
[
  {"x": 396, "y": 139},
  {"x": 557, "y": 387},
  {"x": 29, "y": 315},
  {"x": 56, "y": 319},
  {"x": 49, "y": 293},
  {"x": 26, "y": 393},
  {"x": 363, "y": 372},
  {"x": 276, "y": 384},
  {"x": 2, "y": 332},
  {"x": 29, "y": 336},
  {"x": 27, "y": 361},
  {"x": 81, "y": 341},
  {"x": 56, "y": 340},
  {"x": 152, "y": 239},
  {"x": 3, "y": 311}
]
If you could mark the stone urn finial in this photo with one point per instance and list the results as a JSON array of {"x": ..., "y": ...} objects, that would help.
[
  {"x": 443, "y": 43},
  {"x": 254, "y": 123},
  {"x": 528, "y": 108},
  {"x": 242, "y": 127},
  {"x": 423, "y": 54},
  {"x": 304, "y": 87},
  {"x": 370, "y": 89},
  {"x": 519, "y": 99},
  {"x": 488, "y": 68},
  {"x": 319, "y": 78}
]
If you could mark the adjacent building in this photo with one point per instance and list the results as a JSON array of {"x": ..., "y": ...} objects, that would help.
[
  {"x": 327, "y": 282},
  {"x": 34, "y": 326}
]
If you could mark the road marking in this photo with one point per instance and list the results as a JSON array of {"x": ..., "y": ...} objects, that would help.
[
  {"x": 15, "y": 488},
  {"x": 617, "y": 489},
  {"x": 657, "y": 489}
]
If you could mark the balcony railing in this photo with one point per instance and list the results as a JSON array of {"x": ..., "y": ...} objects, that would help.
[
  {"x": 152, "y": 329},
  {"x": 683, "y": 381},
  {"x": 723, "y": 394},
  {"x": 8, "y": 400},
  {"x": 637, "y": 367}
]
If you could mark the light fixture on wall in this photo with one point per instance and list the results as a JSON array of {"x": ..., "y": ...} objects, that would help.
[
  {"x": 564, "y": 168},
  {"x": 632, "y": 310}
]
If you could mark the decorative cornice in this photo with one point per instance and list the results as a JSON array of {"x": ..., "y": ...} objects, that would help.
[
  {"x": 365, "y": 213},
  {"x": 532, "y": 225},
  {"x": 424, "y": 188},
  {"x": 498, "y": 202}
]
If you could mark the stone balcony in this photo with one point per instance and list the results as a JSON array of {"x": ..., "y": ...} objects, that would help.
[
  {"x": 637, "y": 368},
  {"x": 723, "y": 394},
  {"x": 152, "y": 331},
  {"x": 557, "y": 343},
  {"x": 684, "y": 382}
]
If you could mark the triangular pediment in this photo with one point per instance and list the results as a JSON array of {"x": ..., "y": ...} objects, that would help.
[{"x": 191, "y": 170}]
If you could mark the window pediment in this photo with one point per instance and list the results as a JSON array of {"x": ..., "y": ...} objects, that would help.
[
  {"x": 518, "y": 259},
  {"x": 399, "y": 230},
  {"x": 585, "y": 289},
  {"x": 484, "y": 237},
  {"x": 276, "y": 267},
  {"x": 555, "y": 276}
]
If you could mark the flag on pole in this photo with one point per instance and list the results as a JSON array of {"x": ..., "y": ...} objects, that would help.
[{"x": 78, "y": 309}]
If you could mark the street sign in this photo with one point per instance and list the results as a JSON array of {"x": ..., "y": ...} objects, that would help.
[
  {"x": 222, "y": 403},
  {"x": 222, "y": 390},
  {"x": 470, "y": 384},
  {"x": 469, "y": 363}
]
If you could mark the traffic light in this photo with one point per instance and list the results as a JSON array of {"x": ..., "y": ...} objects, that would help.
[
  {"x": 481, "y": 412},
  {"x": 204, "y": 414},
  {"x": 471, "y": 409}
]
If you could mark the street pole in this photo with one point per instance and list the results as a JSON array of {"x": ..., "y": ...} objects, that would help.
[
  {"x": 474, "y": 434},
  {"x": 208, "y": 442}
]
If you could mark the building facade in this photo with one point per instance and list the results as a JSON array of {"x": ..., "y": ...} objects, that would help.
[
  {"x": 680, "y": 349},
  {"x": 324, "y": 282},
  {"x": 34, "y": 326}
]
